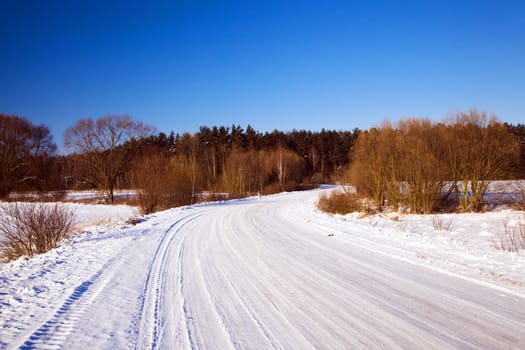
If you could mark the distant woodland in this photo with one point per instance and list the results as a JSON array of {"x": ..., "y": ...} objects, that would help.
[{"x": 168, "y": 169}]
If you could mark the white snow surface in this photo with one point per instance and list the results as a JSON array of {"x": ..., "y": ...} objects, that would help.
[{"x": 269, "y": 273}]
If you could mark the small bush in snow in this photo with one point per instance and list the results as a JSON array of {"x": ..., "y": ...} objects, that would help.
[
  {"x": 341, "y": 202},
  {"x": 512, "y": 238},
  {"x": 441, "y": 224},
  {"x": 32, "y": 228}
]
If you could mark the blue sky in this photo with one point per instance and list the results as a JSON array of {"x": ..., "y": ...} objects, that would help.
[{"x": 272, "y": 64}]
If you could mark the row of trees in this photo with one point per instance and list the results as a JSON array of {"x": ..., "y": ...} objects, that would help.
[
  {"x": 419, "y": 165},
  {"x": 222, "y": 161},
  {"x": 412, "y": 163},
  {"x": 116, "y": 151},
  {"x": 25, "y": 154},
  {"x": 325, "y": 152}
]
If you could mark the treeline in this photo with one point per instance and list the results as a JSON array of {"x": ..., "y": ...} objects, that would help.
[
  {"x": 26, "y": 156},
  {"x": 420, "y": 166},
  {"x": 219, "y": 162},
  {"x": 414, "y": 164},
  {"x": 168, "y": 170}
]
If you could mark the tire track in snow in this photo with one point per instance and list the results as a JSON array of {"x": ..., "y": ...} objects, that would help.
[
  {"x": 210, "y": 327},
  {"x": 335, "y": 295},
  {"x": 294, "y": 290},
  {"x": 221, "y": 318},
  {"x": 181, "y": 301},
  {"x": 52, "y": 333},
  {"x": 149, "y": 320},
  {"x": 249, "y": 310}
]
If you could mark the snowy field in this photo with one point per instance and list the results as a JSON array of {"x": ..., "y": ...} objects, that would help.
[{"x": 269, "y": 272}]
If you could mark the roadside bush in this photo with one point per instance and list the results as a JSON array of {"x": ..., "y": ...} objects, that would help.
[
  {"x": 340, "y": 202},
  {"x": 163, "y": 183},
  {"x": 512, "y": 238},
  {"x": 32, "y": 228},
  {"x": 150, "y": 179},
  {"x": 441, "y": 224}
]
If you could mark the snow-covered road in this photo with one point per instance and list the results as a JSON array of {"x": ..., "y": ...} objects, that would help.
[{"x": 262, "y": 274}]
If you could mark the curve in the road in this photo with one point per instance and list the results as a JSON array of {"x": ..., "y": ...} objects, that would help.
[{"x": 262, "y": 274}]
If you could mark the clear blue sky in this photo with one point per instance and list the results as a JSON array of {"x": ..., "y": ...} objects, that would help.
[{"x": 272, "y": 64}]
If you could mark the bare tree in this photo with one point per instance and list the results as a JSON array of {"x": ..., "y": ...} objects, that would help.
[
  {"x": 21, "y": 143},
  {"x": 423, "y": 171},
  {"x": 234, "y": 174},
  {"x": 289, "y": 168},
  {"x": 370, "y": 161},
  {"x": 107, "y": 144},
  {"x": 188, "y": 152},
  {"x": 479, "y": 150}
]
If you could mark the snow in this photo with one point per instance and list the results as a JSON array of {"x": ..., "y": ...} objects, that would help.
[
  {"x": 75, "y": 196},
  {"x": 269, "y": 272},
  {"x": 468, "y": 245},
  {"x": 93, "y": 195},
  {"x": 88, "y": 215}
]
